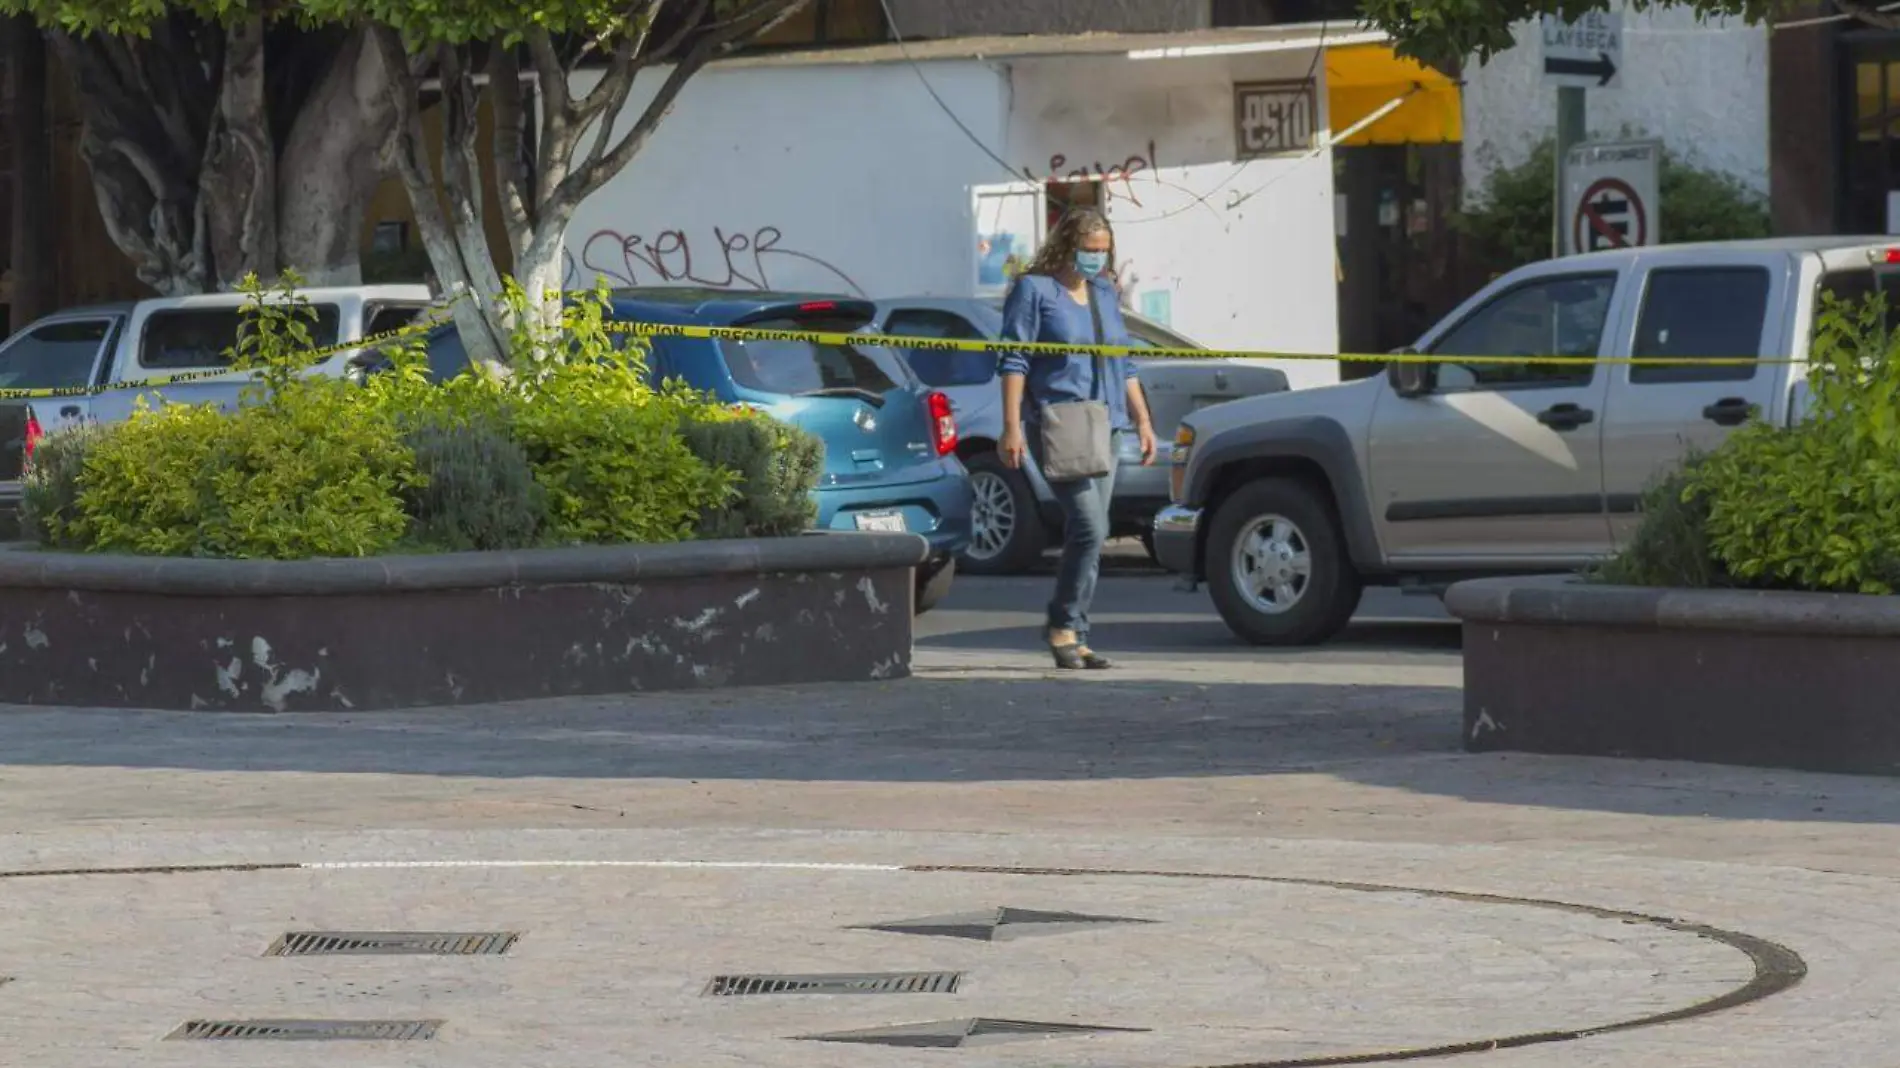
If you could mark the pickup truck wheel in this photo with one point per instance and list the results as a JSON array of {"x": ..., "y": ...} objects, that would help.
[
  {"x": 1007, "y": 536},
  {"x": 1277, "y": 565}
]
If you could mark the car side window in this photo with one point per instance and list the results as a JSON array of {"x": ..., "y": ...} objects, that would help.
[
  {"x": 1701, "y": 313},
  {"x": 942, "y": 369},
  {"x": 389, "y": 317},
  {"x": 1561, "y": 316},
  {"x": 55, "y": 356},
  {"x": 203, "y": 338}
]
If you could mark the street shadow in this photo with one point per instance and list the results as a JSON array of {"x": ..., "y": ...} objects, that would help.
[
  {"x": 1205, "y": 638},
  {"x": 943, "y": 729}
]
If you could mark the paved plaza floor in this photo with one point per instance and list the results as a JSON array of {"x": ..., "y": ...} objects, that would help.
[{"x": 1212, "y": 857}]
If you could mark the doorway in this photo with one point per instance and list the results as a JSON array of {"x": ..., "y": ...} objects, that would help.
[{"x": 1399, "y": 268}]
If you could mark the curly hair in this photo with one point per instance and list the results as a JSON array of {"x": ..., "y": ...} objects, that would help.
[{"x": 1057, "y": 253}]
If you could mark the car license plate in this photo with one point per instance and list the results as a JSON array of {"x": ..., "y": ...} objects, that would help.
[{"x": 893, "y": 521}]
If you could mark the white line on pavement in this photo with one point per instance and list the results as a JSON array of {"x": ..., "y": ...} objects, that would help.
[{"x": 336, "y": 865}]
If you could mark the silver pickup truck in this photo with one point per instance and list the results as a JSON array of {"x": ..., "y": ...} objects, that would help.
[
  {"x": 135, "y": 343},
  {"x": 1288, "y": 505}
]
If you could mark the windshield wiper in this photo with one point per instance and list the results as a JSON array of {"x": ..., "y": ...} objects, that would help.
[{"x": 875, "y": 400}]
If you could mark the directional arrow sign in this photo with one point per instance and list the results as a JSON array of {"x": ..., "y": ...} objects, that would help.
[
  {"x": 1585, "y": 54},
  {"x": 1601, "y": 70}
]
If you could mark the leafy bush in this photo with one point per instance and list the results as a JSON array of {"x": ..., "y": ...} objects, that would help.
[
  {"x": 1509, "y": 223},
  {"x": 777, "y": 466},
  {"x": 474, "y": 489},
  {"x": 1817, "y": 506},
  {"x": 568, "y": 444},
  {"x": 604, "y": 444},
  {"x": 49, "y": 501},
  {"x": 313, "y": 473},
  {"x": 1671, "y": 544},
  {"x": 309, "y": 469}
]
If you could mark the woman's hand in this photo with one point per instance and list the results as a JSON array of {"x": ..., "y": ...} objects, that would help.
[
  {"x": 1013, "y": 448},
  {"x": 1146, "y": 432}
]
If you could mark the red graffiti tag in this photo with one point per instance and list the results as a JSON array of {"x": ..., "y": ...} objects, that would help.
[{"x": 1118, "y": 179}]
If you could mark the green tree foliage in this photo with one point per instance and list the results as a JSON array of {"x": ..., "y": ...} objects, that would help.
[
  {"x": 1446, "y": 33},
  {"x": 1509, "y": 222}
]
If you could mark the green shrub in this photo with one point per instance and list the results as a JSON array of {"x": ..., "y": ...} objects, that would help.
[
  {"x": 49, "y": 500},
  {"x": 312, "y": 468},
  {"x": 1671, "y": 543},
  {"x": 314, "y": 473},
  {"x": 474, "y": 489},
  {"x": 777, "y": 466},
  {"x": 604, "y": 444},
  {"x": 1509, "y": 221},
  {"x": 1817, "y": 506}
]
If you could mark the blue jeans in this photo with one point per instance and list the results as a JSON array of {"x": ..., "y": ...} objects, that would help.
[{"x": 1084, "y": 504}]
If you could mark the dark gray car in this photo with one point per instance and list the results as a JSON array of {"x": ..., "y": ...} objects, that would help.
[{"x": 1015, "y": 515}]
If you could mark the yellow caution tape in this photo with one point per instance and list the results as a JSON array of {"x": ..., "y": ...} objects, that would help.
[
  {"x": 384, "y": 337},
  {"x": 1043, "y": 348},
  {"x": 932, "y": 344}
]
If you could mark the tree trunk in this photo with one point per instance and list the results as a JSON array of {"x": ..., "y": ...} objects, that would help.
[
  {"x": 332, "y": 161},
  {"x": 237, "y": 190},
  {"x": 35, "y": 282}
]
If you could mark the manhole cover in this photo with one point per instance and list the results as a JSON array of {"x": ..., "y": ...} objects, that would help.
[
  {"x": 955, "y": 1034},
  {"x": 309, "y": 1030},
  {"x": 393, "y": 943},
  {"x": 725, "y": 986},
  {"x": 999, "y": 925}
]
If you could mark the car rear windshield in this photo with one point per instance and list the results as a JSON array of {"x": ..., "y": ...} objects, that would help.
[
  {"x": 795, "y": 367},
  {"x": 205, "y": 337}
]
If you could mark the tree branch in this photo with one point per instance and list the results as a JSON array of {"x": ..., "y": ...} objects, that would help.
[
  {"x": 1869, "y": 13},
  {"x": 513, "y": 183},
  {"x": 759, "y": 17}
]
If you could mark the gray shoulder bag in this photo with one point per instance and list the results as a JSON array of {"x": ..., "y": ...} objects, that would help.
[{"x": 1075, "y": 434}]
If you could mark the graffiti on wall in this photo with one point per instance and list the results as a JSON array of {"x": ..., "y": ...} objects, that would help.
[
  {"x": 1118, "y": 179},
  {"x": 735, "y": 259}
]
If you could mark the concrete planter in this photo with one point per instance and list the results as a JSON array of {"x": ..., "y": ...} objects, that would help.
[
  {"x": 1794, "y": 680},
  {"x": 461, "y": 628}
]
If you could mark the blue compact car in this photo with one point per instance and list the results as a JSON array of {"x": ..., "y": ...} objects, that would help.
[{"x": 890, "y": 441}]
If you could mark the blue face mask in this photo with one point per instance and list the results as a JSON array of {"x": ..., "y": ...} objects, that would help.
[{"x": 1091, "y": 263}]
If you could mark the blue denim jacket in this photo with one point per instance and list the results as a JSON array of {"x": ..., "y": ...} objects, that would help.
[{"x": 1038, "y": 309}]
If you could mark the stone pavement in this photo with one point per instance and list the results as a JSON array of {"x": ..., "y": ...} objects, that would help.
[{"x": 1255, "y": 813}]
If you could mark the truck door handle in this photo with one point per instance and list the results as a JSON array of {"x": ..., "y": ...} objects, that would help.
[
  {"x": 1566, "y": 416},
  {"x": 70, "y": 411},
  {"x": 1729, "y": 411}
]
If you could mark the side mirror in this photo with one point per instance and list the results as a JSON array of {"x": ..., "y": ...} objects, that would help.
[{"x": 1411, "y": 379}]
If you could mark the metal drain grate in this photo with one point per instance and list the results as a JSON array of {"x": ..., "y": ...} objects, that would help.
[
  {"x": 309, "y": 1030},
  {"x": 726, "y": 986},
  {"x": 956, "y": 1034},
  {"x": 393, "y": 943}
]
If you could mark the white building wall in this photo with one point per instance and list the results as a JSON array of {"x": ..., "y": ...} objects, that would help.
[
  {"x": 850, "y": 178},
  {"x": 815, "y": 178},
  {"x": 1244, "y": 253},
  {"x": 1702, "y": 87}
]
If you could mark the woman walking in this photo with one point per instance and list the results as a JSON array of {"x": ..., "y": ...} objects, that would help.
[{"x": 1068, "y": 410}]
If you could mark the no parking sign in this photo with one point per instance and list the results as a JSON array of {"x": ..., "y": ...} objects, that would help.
[{"x": 1612, "y": 197}]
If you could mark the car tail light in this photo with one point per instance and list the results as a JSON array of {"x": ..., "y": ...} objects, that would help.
[
  {"x": 818, "y": 306},
  {"x": 33, "y": 434},
  {"x": 943, "y": 423}
]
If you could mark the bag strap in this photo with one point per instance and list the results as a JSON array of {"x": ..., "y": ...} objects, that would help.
[{"x": 1101, "y": 365}]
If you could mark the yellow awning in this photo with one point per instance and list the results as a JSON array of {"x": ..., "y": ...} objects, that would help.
[{"x": 1362, "y": 78}]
